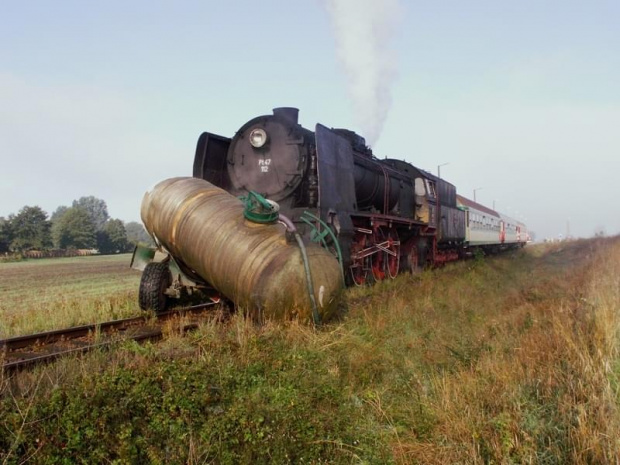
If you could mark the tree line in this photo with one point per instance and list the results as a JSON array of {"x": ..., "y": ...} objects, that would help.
[{"x": 86, "y": 224}]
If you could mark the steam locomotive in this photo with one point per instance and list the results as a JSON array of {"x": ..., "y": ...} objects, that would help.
[{"x": 384, "y": 216}]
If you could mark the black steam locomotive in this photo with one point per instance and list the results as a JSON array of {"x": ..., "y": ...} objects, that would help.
[{"x": 386, "y": 215}]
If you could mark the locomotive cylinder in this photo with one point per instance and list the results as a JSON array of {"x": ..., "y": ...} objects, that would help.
[{"x": 251, "y": 264}]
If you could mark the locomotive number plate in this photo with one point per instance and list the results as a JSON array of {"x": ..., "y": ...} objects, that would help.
[{"x": 264, "y": 163}]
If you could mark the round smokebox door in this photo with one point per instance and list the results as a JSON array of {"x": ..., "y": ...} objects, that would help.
[{"x": 265, "y": 157}]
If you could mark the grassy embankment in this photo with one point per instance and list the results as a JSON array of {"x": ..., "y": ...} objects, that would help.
[
  {"x": 43, "y": 294},
  {"x": 505, "y": 360}
]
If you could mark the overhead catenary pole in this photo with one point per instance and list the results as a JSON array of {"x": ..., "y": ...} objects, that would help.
[{"x": 439, "y": 168}]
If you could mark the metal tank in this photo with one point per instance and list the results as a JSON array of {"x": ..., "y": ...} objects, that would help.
[{"x": 252, "y": 264}]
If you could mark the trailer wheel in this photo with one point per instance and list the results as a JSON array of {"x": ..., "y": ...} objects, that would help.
[{"x": 156, "y": 278}]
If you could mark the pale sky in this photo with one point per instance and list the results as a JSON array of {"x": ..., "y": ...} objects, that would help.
[{"x": 522, "y": 99}]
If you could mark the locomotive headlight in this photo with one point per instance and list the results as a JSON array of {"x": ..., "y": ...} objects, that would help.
[{"x": 258, "y": 138}]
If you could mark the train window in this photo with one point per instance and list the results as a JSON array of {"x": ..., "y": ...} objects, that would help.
[{"x": 430, "y": 188}]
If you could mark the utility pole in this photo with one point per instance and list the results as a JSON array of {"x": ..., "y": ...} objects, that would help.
[
  {"x": 476, "y": 189},
  {"x": 439, "y": 168}
]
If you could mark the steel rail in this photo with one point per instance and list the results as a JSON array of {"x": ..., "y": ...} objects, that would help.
[{"x": 18, "y": 358}]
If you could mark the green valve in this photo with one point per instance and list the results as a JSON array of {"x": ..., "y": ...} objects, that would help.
[{"x": 259, "y": 209}]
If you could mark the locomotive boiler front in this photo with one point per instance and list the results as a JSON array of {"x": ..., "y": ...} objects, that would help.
[{"x": 269, "y": 155}]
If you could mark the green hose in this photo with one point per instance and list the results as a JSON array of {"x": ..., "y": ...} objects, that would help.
[
  {"x": 316, "y": 317},
  {"x": 261, "y": 210},
  {"x": 320, "y": 237}
]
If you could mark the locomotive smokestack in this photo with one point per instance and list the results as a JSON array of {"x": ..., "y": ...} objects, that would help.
[{"x": 291, "y": 114}]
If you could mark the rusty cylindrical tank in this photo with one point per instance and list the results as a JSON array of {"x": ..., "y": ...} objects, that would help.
[{"x": 252, "y": 264}]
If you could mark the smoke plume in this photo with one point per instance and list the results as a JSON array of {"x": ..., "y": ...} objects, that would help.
[{"x": 363, "y": 31}]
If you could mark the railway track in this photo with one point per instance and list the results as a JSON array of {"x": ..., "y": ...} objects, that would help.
[{"x": 18, "y": 353}]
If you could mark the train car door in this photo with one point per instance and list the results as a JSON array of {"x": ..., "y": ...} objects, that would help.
[
  {"x": 467, "y": 227},
  {"x": 502, "y": 231}
]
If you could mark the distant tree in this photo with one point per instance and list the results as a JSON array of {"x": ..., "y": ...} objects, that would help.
[
  {"x": 113, "y": 238},
  {"x": 55, "y": 220},
  {"x": 76, "y": 230},
  {"x": 96, "y": 209},
  {"x": 6, "y": 235},
  {"x": 58, "y": 213},
  {"x": 136, "y": 234},
  {"x": 30, "y": 229}
]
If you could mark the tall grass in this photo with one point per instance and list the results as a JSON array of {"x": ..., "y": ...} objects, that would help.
[
  {"x": 536, "y": 382},
  {"x": 511, "y": 359}
]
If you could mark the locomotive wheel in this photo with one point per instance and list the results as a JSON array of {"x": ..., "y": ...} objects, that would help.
[
  {"x": 393, "y": 261},
  {"x": 156, "y": 278},
  {"x": 359, "y": 273},
  {"x": 383, "y": 263},
  {"x": 359, "y": 267},
  {"x": 378, "y": 266}
]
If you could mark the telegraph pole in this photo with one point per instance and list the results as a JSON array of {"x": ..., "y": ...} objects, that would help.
[{"x": 439, "y": 168}]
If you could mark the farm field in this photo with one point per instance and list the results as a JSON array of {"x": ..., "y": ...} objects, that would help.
[
  {"x": 42, "y": 294},
  {"x": 508, "y": 359}
]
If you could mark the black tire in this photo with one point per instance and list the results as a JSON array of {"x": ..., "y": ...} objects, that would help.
[{"x": 156, "y": 278}]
